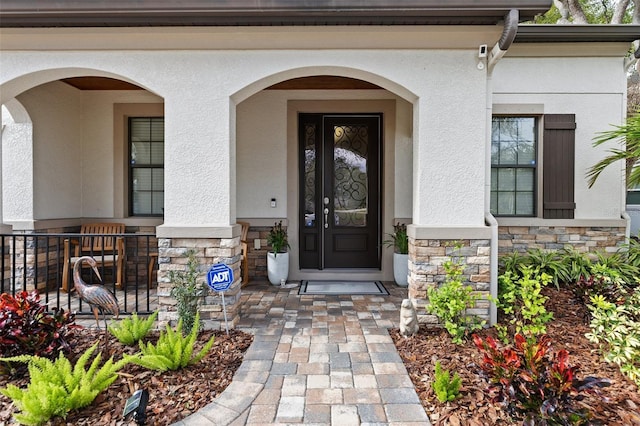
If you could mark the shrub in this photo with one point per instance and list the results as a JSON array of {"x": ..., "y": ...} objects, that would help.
[
  {"x": 534, "y": 387},
  {"x": 632, "y": 252},
  {"x": 617, "y": 267},
  {"x": 450, "y": 301},
  {"x": 577, "y": 263},
  {"x": 187, "y": 291},
  {"x": 445, "y": 387},
  {"x": 131, "y": 330},
  {"x": 523, "y": 302},
  {"x": 550, "y": 263},
  {"x": 512, "y": 263},
  {"x": 173, "y": 350},
  {"x": 55, "y": 388},
  {"x": 563, "y": 267},
  {"x": 616, "y": 329},
  {"x": 27, "y": 329},
  {"x": 603, "y": 281}
]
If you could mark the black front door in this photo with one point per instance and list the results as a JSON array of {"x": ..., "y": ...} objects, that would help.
[{"x": 340, "y": 190}]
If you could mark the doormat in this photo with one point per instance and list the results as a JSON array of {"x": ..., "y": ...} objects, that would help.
[{"x": 342, "y": 287}]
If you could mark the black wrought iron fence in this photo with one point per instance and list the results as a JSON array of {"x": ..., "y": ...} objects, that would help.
[{"x": 37, "y": 261}]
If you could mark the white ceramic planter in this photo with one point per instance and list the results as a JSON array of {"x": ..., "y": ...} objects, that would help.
[
  {"x": 401, "y": 269},
  {"x": 277, "y": 267}
]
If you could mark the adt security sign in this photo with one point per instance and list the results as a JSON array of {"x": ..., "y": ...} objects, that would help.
[{"x": 220, "y": 277}]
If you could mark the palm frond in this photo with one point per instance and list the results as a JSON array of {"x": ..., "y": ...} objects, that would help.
[{"x": 628, "y": 136}]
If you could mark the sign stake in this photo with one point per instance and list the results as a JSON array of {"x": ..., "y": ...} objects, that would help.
[
  {"x": 224, "y": 311},
  {"x": 220, "y": 278}
]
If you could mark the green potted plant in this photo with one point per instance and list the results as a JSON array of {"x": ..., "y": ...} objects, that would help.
[
  {"x": 278, "y": 257},
  {"x": 400, "y": 243}
]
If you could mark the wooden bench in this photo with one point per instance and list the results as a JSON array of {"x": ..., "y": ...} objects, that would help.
[{"x": 106, "y": 250}]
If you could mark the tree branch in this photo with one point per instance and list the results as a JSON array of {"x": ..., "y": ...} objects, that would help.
[
  {"x": 562, "y": 7},
  {"x": 619, "y": 11},
  {"x": 577, "y": 12}
]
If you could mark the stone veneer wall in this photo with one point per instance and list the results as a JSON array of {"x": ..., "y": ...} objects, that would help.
[
  {"x": 40, "y": 256},
  {"x": 427, "y": 257},
  {"x": 257, "y": 258},
  {"x": 426, "y": 269},
  {"x": 209, "y": 251},
  {"x": 584, "y": 239},
  {"x": 21, "y": 260}
]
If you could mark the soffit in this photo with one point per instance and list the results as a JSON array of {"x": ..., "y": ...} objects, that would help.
[{"x": 116, "y": 13}]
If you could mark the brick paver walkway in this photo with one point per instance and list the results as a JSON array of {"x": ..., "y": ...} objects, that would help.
[{"x": 325, "y": 360}]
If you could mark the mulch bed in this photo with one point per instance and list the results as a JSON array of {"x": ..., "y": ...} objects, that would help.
[
  {"x": 473, "y": 407},
  {"x": 173, "y": 395}
]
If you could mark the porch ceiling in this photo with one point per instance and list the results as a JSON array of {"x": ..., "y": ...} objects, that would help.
[
  {"x": 321, "y": 82},
  {"x": 99, "y": 83},
  {"x": 116, "y": 13}
]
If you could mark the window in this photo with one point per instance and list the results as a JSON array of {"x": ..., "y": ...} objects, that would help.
[
  {"x": 146, "y": 166},
  {"x": 513, "y": 166},
  {"x": 515, "y": 171},
  {"x": 633, "y": 194}
]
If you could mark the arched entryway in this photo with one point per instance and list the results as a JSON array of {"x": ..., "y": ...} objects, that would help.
[
  {"x": 67, "y": 146},
  {"x": 77, "y": 156},
  {"x": 271, "y": 165}
]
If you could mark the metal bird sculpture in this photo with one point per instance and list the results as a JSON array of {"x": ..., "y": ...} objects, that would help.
[{"x": 97, "y": 296}]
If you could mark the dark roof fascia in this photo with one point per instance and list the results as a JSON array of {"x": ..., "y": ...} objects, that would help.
[
  {"x": 572, "y": 33},
  {"x": 118, "y": 13}
]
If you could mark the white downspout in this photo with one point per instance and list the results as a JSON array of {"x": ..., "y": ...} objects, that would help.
[
  {"x": 627, "y": 231},
  {"x": 628, "y": 63},
  {"x": 499, "y": 49},
  {"x": 493, "y": 287},
  {"x": 508, "y": 35}
]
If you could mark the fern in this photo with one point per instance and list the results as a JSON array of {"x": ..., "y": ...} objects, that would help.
[
  {"x": 445, "y": 387},
  {"x": 173, "y": 350},
  {"x": 55, "y": 388},
  {"x": 129, "y": 331}
]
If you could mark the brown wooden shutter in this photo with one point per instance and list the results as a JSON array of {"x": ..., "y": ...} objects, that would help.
[{"x": 558, "y": 166}]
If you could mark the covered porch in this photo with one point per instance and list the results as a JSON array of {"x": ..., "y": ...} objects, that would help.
[{"x": 232, "y": 147}]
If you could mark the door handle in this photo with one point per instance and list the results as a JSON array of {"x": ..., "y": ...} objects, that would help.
[{"x": 326, "y": 201}]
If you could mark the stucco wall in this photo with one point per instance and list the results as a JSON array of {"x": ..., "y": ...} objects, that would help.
[
  {"x": 102, "y": 177},
  {"x": 262, "y": 141},
  {"x": 56, "y": 113},
  {"x": 17, "y": 151},
  {"x": 261, "y": 147},
  {"x": 449, "y": 152},
  {"x": 261, "y": 136},
  {"x": 197, "y": 86},
  {"x": 443, "y": 88},
  {"x": 593, "y": 89},
  {"x": 74, "y": 153}
]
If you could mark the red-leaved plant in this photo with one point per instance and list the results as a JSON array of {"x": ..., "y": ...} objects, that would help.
[
  {"x": 26, "y": 328},
  {"x": 534, "y": 386}
]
